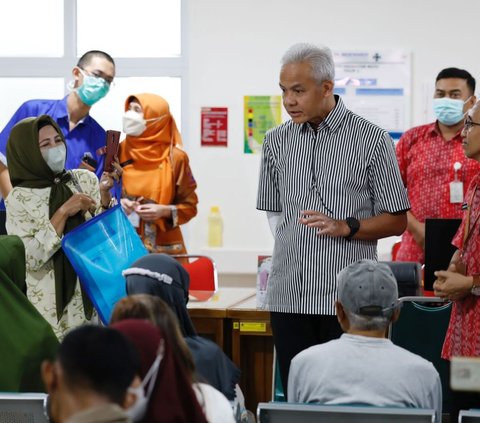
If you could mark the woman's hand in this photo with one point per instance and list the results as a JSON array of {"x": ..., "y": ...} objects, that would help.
[
  {"x": 128, "y": 205},
  {"x": 106, "y": 182},
  {"x": 452, "y": 285},
  {"x": 150, "y": 212},
  {"x": 77, "y": 202},
  {"x": 108, "y": 178}
]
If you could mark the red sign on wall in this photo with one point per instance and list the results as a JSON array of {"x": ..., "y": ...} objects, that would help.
[{"x": 214, "y": 126}]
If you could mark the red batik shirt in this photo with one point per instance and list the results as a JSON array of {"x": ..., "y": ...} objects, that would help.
[
  {"x": 463, "y": 334},
  {"x": 426, "y": 162}
]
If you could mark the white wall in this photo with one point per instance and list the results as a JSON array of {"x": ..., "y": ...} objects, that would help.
[{"x": 235, "y": 49}]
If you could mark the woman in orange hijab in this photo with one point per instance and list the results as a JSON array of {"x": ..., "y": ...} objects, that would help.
[{"x": 158, "y": 185}]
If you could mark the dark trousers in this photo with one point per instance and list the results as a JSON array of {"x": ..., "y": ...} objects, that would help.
[{"x": 293, "y": 333}]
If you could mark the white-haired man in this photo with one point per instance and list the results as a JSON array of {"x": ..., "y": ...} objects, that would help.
[{"x": 331, "y": 180}]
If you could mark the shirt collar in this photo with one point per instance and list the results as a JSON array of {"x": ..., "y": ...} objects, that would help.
[
  {"x": 335, "y": 117},
  {"x": 63, "y": 112},
  {"x": 435, "y": 131}
]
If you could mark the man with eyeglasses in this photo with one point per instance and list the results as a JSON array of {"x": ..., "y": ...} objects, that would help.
[
  {"x": 92, "y": 78},
  {"x": 434, "y": 169},
  {"x": 461, "y": 281}
]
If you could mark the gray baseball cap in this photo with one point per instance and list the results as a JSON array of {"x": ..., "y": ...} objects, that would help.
[{"x": 368, "y": 288}]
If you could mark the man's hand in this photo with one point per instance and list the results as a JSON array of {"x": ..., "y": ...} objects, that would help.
[
  {"x": 326, "y": 225},
  {"x": 452, "y": 285}
]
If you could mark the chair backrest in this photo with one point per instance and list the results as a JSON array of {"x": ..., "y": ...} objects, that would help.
[
  {"x": 310, "y": 413},
  {"x": 203, "y": 275},
  {"x": 421, "y": 329},
  {"x": 470, "y": 416},
  {"x": 395, "y": 248},
  {"x": 277, "y": 385},
  {"x": 408, "y": 275},
  {"x": 23, "y": 408}
]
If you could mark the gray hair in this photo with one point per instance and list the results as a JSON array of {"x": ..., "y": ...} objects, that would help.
[
  {"x": 369, "y": 323},
  {"x": 320, "y": 59}
]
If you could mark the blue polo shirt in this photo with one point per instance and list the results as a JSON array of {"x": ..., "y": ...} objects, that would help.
[{"x": 87, "y": 136}]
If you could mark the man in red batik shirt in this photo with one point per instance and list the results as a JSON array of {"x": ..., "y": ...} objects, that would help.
[
  {"x": 434, "y": 169},
  {"x": 461, "y": 282}
]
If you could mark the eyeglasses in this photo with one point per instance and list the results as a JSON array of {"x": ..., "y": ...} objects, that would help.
[
  {"x": 108, "y": 80},
  {"x": 468, "y": 123}
]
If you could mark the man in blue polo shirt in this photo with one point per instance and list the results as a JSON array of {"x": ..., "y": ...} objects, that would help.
[{"x": 93, "y": 75}]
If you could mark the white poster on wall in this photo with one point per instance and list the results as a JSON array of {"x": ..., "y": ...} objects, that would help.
[{"x": 376, "y": 85}]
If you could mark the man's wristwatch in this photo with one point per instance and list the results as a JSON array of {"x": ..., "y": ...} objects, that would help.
[
  {"x": 476, "y": 285},
  {"x": 354, "y": 226}
]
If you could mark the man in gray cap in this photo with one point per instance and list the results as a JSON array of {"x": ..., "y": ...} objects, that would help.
[{"x": 363, "y": 366}]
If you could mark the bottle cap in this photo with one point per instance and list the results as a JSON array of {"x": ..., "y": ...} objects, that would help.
[{"x": 215, "y": 209}]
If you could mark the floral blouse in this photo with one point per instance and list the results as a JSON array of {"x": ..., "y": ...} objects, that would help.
[{"x": 27, "y": 217}]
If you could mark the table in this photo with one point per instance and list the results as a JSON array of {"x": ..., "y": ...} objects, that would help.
[
  {"x": 210, "y": 317},
  {"x": 252, "y": 350}
]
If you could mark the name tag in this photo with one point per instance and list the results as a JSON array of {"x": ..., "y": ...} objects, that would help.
[{"x": 456, "y": 192}]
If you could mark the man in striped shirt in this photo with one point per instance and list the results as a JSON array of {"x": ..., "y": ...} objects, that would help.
[{"x": 330, "y": 184}]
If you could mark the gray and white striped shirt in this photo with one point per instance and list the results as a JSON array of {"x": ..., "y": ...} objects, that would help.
[{"x": 346, "y": 168}]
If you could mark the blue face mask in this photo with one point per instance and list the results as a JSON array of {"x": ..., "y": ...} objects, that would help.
[
  {"x": 92, "y": 89},
  {"x": 448, "y": 111}
]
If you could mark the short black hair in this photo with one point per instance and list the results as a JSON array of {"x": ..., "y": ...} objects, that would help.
[
  {"x": 99, "y": 359},
  {"x": 87, "y": 57},
  {"x": 458, "y": 73}
]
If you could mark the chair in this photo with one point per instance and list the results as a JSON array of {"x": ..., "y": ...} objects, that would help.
[
  {"x": 408, "y": 275},
  {"x": 203, "y": 275},
  {"x": 277, "y": 386},
  {"x": 395, "y": 248},
  {"x": 421, "y": 329},
  {"x": 310, "y": 413},
  {"x": 23, "y": 408},
  {"x": 470, "y": 416}
]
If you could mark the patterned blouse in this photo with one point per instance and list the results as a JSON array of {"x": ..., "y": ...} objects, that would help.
[
  {"x": 27, "y": 217},
  {"x": 463, "y": 334}
]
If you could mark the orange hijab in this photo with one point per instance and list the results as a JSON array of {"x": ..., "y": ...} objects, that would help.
[{"x": 151, "y": 173}]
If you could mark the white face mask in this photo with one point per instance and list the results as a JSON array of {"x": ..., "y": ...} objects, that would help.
[
  {"x": 134, "y": 124},
  {"x": 138, "y": 410},
  {"x": 55, "y": 157}
]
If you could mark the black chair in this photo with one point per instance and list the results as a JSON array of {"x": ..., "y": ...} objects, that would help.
[
  {"x": 408, "y": 275},
  {"x": 421, "y": 329},
  {"x": 470, "y": 416},
  {"x": 23, "y": 408},
  {"x": 312, "y": 413}
]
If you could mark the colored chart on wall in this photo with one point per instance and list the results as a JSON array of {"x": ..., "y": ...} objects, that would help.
[{"x": 261, "y": 113}]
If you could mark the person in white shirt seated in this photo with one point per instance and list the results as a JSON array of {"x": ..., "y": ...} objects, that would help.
[{"x": 363, "y": 366}]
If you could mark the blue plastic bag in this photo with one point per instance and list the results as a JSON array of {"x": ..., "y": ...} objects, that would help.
[{"x": 99, "y": 250}]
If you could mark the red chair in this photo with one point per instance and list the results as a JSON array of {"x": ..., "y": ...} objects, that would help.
[
  {"x": 395, "y": 249},
  {"x": 203, "y": 275}
]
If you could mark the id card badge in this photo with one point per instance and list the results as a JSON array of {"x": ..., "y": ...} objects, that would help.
[
  {"x": 456, "y": 192},
  {"x": 134, "y": 219}
]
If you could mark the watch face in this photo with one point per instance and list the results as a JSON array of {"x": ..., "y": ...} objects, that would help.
[{"x": 476, "y": 290}]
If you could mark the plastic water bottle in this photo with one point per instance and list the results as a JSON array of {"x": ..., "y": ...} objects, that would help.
[{"x": 215, "y": 227}]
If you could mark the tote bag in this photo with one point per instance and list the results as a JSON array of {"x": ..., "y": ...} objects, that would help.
[{"x": 99, "y": 250}]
